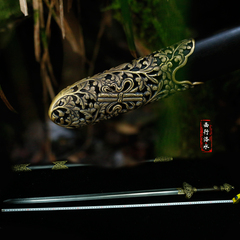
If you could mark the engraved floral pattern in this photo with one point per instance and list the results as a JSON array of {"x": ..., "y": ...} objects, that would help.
[{"x": 122, "y": 88}]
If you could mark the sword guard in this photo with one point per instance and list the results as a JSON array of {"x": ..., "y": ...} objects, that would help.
[{"x": 188, "y": 190}]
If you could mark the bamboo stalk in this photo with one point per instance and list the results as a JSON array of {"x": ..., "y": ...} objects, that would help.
[
  {"x": 37, "y": 45},
  {"x": 23, "y": 7}
]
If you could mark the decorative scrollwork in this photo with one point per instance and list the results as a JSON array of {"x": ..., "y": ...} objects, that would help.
[
  {"x": 188, "y": 190},
  {"x": 226, "y": 187},
  {"x": 59, "y": 165},
  {"x": 21, "y": 167},
  {"x": 122, "y": 88},
  {"x": 163, "y": 159}
]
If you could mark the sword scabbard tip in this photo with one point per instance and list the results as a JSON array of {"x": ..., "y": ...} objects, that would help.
[
  {"x": 123, "y": 88},
  {"x": 236, "y": 199}
]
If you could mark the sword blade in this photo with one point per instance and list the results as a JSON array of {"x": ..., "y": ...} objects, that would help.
[{"x": 101, "y": 196}]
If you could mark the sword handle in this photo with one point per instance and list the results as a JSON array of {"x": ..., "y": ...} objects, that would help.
[
  {"x": 122, "y": 88},
  {"x": 225, "y": 187},
  {"x": 188, "y": 190}
]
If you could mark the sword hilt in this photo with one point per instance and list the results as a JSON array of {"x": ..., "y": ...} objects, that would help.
[{"x": 188, "y": 190}]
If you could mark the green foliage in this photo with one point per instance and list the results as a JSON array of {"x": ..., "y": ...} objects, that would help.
[
  {"x": 9, "y": 10},
  {"x": 157, "y": 23},
  {"x": 127, "y": 24}
]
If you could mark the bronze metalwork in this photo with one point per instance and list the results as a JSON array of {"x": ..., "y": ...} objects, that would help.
[
  {"x": 21, "y": 167},
  {"x": 59, "y": 165},
  {"x": 122, "y": 88},
  {"x": 163, "y": 159},
  {"x": 187, "y": 189},
  {"x": 226, "y": 187}
]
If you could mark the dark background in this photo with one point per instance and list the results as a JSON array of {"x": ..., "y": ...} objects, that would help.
[{"x": 203, "y": 221}]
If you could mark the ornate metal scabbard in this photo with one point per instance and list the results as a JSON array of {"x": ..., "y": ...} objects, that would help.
[
  {"x": 122, "y": 88},
  {"x": 144, "y": 80}
]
